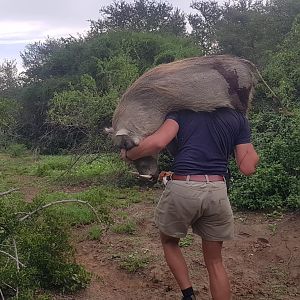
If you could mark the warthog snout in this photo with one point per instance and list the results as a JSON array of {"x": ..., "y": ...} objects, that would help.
[{"x": 147, "y": 167}]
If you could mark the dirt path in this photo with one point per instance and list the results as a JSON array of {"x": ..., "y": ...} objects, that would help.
[{"x": 263, "y": 261}]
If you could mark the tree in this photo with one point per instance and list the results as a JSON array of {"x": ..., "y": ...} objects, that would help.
[
  {"x": 247, "y": 28},
  {"x": 36, "y": 55},
  {"x": 252, "y": 29},
  {"x": 38, "y": 58},
  {"x": 140, "y": 16},
  {"x": 9, "y": 78},
  {"x": 9, "y": 120},
  {"x": 204, "y": 24},
  {"x": 283, "y": 71}
]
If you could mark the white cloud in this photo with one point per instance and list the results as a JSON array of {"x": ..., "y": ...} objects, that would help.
[
  {"x": 28, "y": 32},
  {"x": 19, "y": 32}
]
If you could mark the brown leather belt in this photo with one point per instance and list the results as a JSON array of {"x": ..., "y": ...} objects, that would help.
[{"x": 201, "y": 178}]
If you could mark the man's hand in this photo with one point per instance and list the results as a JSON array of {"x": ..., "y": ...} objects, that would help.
[{"x": 123, "y": 154}]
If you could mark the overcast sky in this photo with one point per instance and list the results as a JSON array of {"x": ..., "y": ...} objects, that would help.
[{"x": 25, "y": 21}]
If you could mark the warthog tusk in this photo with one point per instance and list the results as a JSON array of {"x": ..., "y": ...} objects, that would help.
[
  {"x": 145, "y": 176},
  {"x": 134, "y": 173},
  {"x": 141, "y": 175}
]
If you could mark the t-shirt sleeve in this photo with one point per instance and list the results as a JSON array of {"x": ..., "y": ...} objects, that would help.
[{"x": 244, "y": 136}]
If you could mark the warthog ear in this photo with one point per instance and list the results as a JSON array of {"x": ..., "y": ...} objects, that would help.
[
  {"x": 109, "y": 130},
  {"x": 122, "y": 131}
]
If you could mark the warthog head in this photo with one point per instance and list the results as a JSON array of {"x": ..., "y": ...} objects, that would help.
[{"x": 147, "y": 167}]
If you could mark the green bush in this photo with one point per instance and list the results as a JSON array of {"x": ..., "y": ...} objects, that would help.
[
  {"x": 16, "y": 150},
  {"x": 276, "y": 137},
  {"x": 128, "y": 227},
  {"x": 267, "y": 189},
  {"x": 43, "y": 247},
  {"x": 95, "y": 232},
  {"x": 9, "y": 120},
  {"x": 134, "y": 262},
  {"x": 52, "y": 165}
]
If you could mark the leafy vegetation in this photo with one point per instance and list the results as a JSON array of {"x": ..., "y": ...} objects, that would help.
[
  {"x": 187, "y": 241},
  {"x": 37, "y": 233},
  {"x": 42, "y": 251},
  {"x": 127, "y": 227},
  {"x": 134, "y": 262}
]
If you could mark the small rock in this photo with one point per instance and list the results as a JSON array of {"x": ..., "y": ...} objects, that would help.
[{"x": 263, "y": 240}]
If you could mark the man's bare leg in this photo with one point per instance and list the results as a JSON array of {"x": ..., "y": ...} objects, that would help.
[
  {"x": 218, "y": 279},
  {"x": 175, "y": 260}
]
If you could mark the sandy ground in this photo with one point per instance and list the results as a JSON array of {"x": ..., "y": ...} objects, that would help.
[{"x": 263, "y": 261}]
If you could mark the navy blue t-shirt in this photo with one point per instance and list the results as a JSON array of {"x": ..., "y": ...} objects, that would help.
[{"x": 206, "y": 140}]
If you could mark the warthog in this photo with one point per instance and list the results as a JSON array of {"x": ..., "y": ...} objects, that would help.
[{"x": 199, "y": 83}]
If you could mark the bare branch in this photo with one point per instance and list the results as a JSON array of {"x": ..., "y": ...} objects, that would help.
[
  {"x": 12, "y": 257},
  {"x": 9, "y": 286},
  {"x": 1, "y": 294},
  {"x": 18, "y": 263},
  {"x": 16, "y": 254},
  {"x": 8, "y": 192},
  {"x": 60, "y": 202}
]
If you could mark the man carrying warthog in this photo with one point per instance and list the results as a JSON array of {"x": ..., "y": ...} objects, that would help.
[{"x": 196, "y": 194}]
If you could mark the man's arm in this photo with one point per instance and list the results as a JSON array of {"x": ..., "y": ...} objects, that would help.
[
  {"x": 154, "y": 143},
  {"x": 246, "y": 158}
]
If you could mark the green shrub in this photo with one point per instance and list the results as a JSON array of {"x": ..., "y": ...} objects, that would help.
[
  {"x": 45, "y": 254},
  {"x": 267, "y": 189},
  {"x": 134, "y": 262},
  {"x": 16, "y": 150},
  {"x": 95, "y": 233},
  {"x": 165, "y": 161},
  {"x": 52, "y": 165},
  {"x": 276, "y": 137},
  {"x": 129, "y": 227},
  {"x": 187, "y": 241}
]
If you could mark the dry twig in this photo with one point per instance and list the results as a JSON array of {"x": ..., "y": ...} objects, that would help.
[
  {"x": 60, "y": 202},
  {"x": 1, "y": 294},
  {"x": 18, "y": 263},
  {"x": 16, "y": 253},
  {"x": 8, "y": 192},
  {"x": 12, "y": 257}
]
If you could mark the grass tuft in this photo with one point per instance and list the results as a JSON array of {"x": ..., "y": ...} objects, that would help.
[{"x": 134, "y": 262}]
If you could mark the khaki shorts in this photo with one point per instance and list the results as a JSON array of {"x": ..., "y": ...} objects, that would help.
[{"x": 202, "y": 205}]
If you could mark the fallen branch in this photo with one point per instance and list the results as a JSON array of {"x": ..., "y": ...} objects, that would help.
[
  {"x": 18, "y": 264},
  {"x": 16, "y": 253},
  {"x": 12, "y": 257},
  {"x": 1, "y": 294},
  {"x": 8, "y": 192},
  {"x": 60, "y": 202},
  {"x": 9, "y": 286}
]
